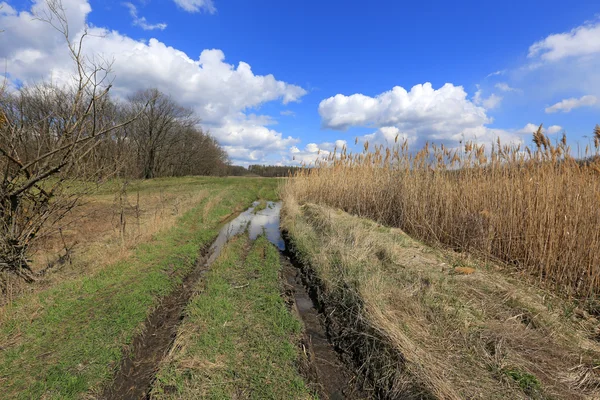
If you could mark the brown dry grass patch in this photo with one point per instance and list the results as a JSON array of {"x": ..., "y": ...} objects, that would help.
[
  {"x": 105, "y": 228},
  {"x": 486, "y": 334}
]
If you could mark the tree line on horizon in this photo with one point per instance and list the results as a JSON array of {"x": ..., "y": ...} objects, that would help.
[
  {"x": 154, "y": 136},
  {"x": 267, "y": 171}
]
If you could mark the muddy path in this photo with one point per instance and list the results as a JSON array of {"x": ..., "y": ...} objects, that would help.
[
  {"x": 137, "y": 371},
  {"x": 325, "y": 370}
]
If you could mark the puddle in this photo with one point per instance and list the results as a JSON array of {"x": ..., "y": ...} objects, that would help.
[{"x": 257, "y": 222}]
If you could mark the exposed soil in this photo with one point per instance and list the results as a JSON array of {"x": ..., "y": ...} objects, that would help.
[
  {"x": 137, "y": 371},
  {"x": 325, "y": 369}
]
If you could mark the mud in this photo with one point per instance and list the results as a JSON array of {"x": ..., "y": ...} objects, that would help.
[
  {"x": 361, "y": 347},
  {"x": 325, "y": 370}
]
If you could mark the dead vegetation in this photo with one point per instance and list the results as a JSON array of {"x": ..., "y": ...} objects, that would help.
[
  {"x": 106, "y": 228},
  {"x": 425, "y": 323},
  {"x": 535, "y": 208}
]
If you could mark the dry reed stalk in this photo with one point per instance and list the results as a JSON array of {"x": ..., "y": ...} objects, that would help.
[{"x": 535, "y": 208}]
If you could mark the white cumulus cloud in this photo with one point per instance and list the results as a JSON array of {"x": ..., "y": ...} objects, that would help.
[
  {"x": 423, "y": 113},
  {"x": 423, "y": 107},
  {"x": 581, "y": 41},
  {"x": 221, "y": 93},
  {"x": 567, "y": 105}
]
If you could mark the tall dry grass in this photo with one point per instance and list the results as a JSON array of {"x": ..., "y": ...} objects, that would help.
[
  {"x": 535, "y": 207},
  {"x": 106, "y": 229}
]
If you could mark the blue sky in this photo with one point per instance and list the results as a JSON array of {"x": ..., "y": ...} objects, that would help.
[{"x": 335, "y": 64}]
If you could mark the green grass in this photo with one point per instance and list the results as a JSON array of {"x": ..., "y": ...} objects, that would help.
[
  {"x": 67, "y": 340},
  {"x": 238, "y": 339},
  {"x": 526, "y": 381},
  {"x": 260, "y": 206}
]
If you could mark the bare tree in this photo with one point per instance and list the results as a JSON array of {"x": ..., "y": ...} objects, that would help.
[
  {"x": 46, "y": 131},
  {"x": 157, "y": 132}
]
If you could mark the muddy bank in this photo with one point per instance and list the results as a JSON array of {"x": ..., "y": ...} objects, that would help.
[
  {"x": 325, "y": 370},
  {"x": 379, "y": 368}
]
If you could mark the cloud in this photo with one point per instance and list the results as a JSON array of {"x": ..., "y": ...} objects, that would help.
[
  {"x": 424, "y": 109},
  {"x": 581, "y": 41},
  {"x": 141, "y": 21},
  {"x": 492, "y": 102},
  {"x": 554, "y": 129},
  {"x": 567, "y": 105},
  {"x": 387, "y": 136},
  {"x": 503, "y": 86},
  {"x": 530, "y": 128},
  {"x": 496, "y": 73},
  {"x": 288, "y": 113},
  {"x": 6, "y": 9},
  {"x": 338, "y": 144},
  {"x": 489, "y": 103},
  {"x": 246, "y": 138},
  {"x": 222, "y": 94},
  {"x": 197, "y": 5},
  {"x": 313, "y": 152}
]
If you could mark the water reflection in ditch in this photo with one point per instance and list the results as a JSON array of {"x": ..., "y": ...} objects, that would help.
[{"x": 256, "y": 222}]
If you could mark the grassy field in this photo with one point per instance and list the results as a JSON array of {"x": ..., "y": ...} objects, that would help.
[
  {"x": 119, "y": 215},
  {"x": 429, "y": 323},
  {"x": 239, "y": 340},
  {"x": 417, "y": 321},
  {"x": 64, "y": 337}
]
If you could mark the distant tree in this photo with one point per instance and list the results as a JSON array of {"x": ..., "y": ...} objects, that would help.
[
  {"x": 237, "y": 170},
  {"x": 273, "y": 170},
  {"x": 197, "y": 153}
]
